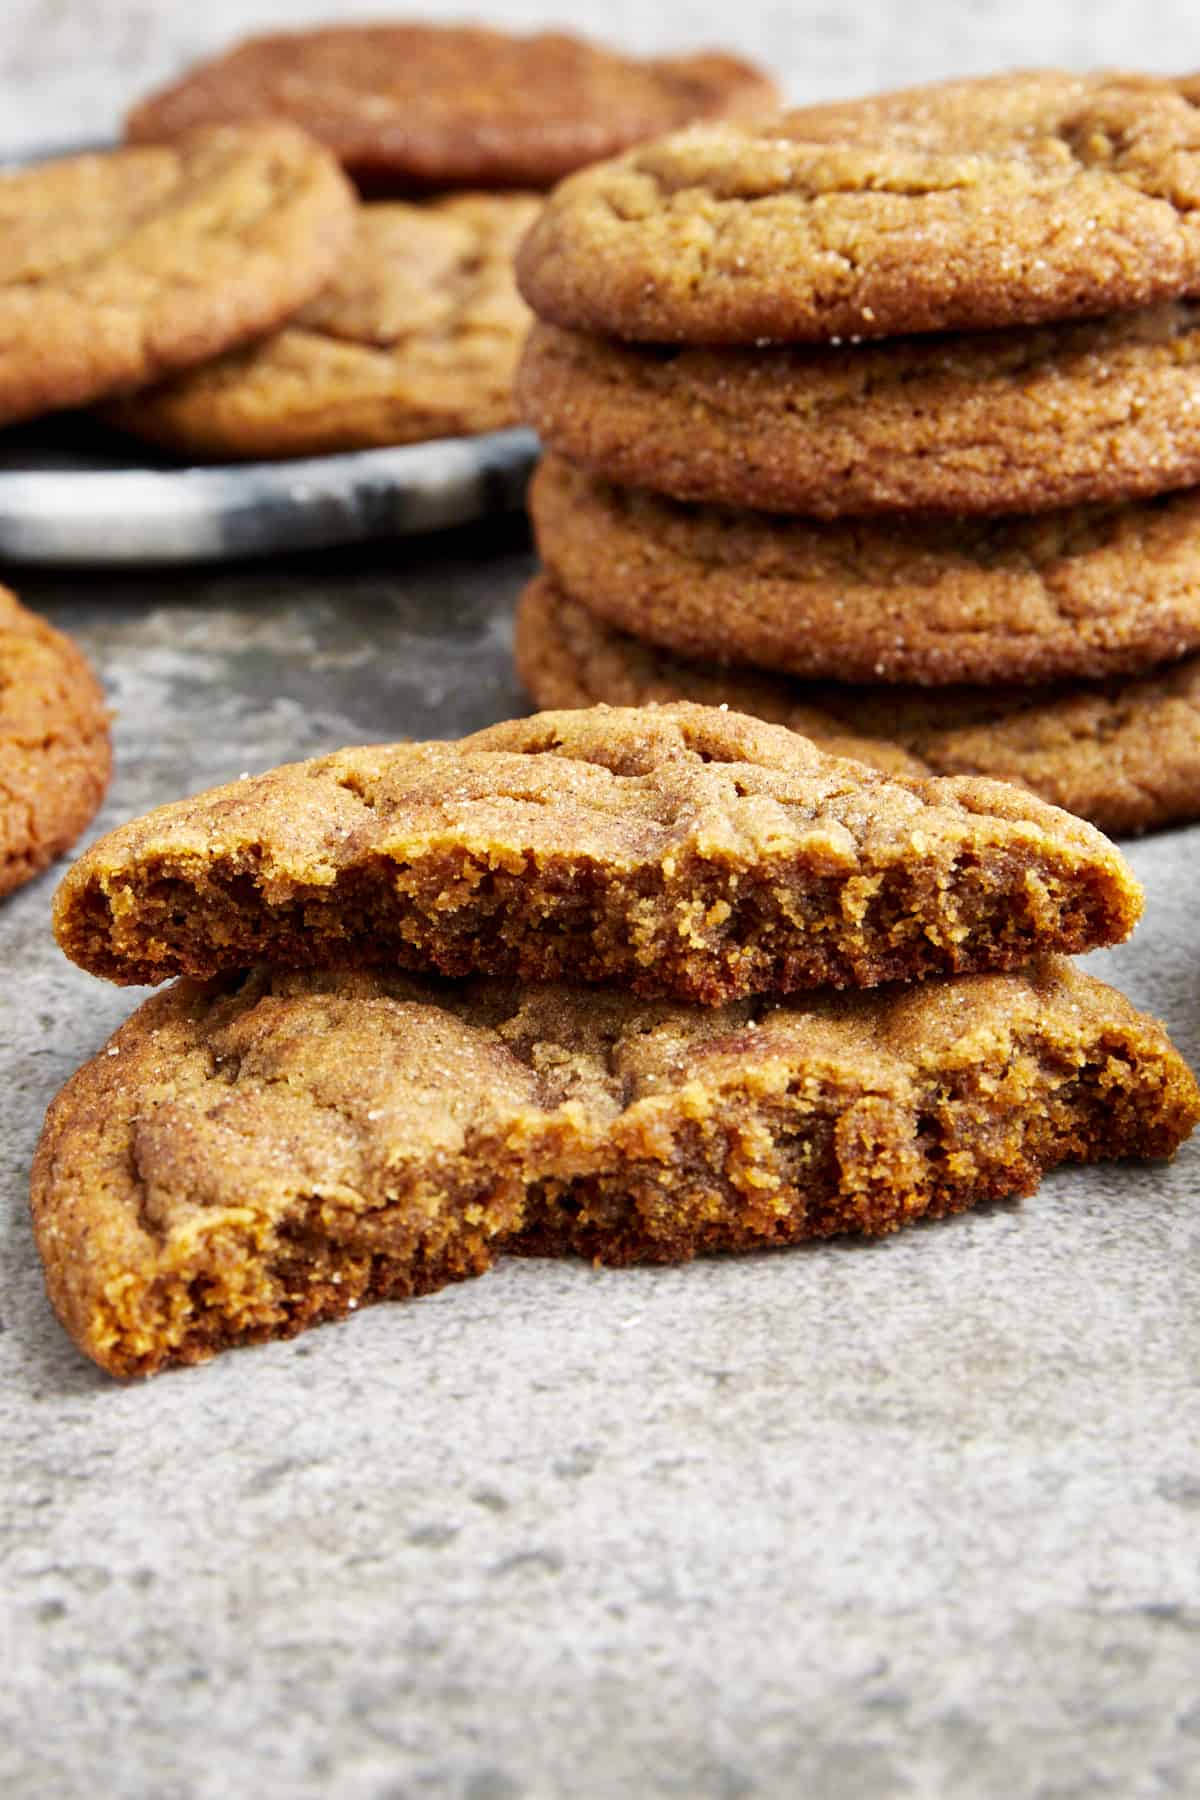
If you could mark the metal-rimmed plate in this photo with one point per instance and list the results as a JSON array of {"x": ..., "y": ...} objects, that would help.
[
  {"x": 71, "y": 494},
  {"x": 63, "y": 501}
]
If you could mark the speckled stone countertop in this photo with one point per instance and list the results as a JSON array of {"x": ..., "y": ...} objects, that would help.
[{"x": 912, "y": 1519}]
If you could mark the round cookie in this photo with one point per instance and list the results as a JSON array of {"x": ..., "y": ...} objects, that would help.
[
  {"x": 55, "y": 755},
  {"x": 417, "y": 337},
  {"x": 118, "y": 269},
  {"x": 1088, "y": 592},
  {"x": 1124, "y": 754},
  {"x": 1019, "y": 421},
  {"x": 455, "y": 105},
  {"x": 1006, "y": 201}
]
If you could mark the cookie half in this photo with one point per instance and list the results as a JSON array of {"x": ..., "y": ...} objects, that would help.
[
  {"x": 246, "y": 1159},
  {"x": 55, "y": 754},
  {"x": 1088, "y": 592},
  {"x": 120, "y": 268},
  {"x": 1006, "y": 201},
  {"x": 683, "y": 851},
  {"x": 1124, "y": 753},
  {"x": 416, "y": 337},
  {"x": 1001, "y": 422},
  {"x": 455, "y": 105}
]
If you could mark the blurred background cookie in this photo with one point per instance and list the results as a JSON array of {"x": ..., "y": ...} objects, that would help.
[
  {"x": 119, "y": 268},
  {"x": 416, "y": 337},
  {"x": 421, "y": 105}
]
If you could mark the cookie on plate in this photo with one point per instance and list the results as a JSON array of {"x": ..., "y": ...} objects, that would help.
[
  {"x": 1006, "y": 201},
  {"x": 248, "y": 1158},
  {"x": 683, "y": 851},
  {"x": 55, "y": 754},
  {"x": 1084, "y": 593},
  {"x": 416, "y": 337},
  {"x": 1123, "y": 753},
  {"x": 117, "y": 269},
  {"x": 415, "y": 105},
  {"x": 1003, "y": 421}
]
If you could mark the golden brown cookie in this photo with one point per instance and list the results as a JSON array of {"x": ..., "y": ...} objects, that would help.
[
  {"x": 1006, "y": 201},
  {"x": 1019, "y": 421},
  {"x": 682, "y": 851},
  {"x": 1087, "y": 592},
  {"x": 416, "y": 337},
  {"x": 271, "y": 1151},
  {"x": 1124, "y": 753},
  {"x": 120, "y": 268},
  {"x": 455, "y": 105},
  {"x": 55, "y": 755}
]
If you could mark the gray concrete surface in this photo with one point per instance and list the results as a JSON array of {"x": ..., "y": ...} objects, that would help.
[{"x": 916, "y": 1519}]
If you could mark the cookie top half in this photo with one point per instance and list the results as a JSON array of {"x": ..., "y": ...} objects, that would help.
[
  {"x": 683, "y": 851},
  {"x": 455, "y": 106},
  {"x": 1015, "y": 199},
  {"x": 119, "y": 268}
]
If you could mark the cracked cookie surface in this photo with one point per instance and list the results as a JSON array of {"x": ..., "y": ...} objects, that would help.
[
  {"x": 1084, "y": 593},
  {"x": 1010, "y": 200},
  {"x": 119, "y": 268},
  {"x": 246, "y": 1159},
  {"x": 55, "y": 755},
  {"x": 1124, "y": 753},
  {"x": 1018, "y": 421},
  {"x": 416, "y": 337},
  {"x": 680, "y": 850},
  {"x": 458, "y": 105}
]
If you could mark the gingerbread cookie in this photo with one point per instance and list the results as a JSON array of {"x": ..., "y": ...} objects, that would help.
[
  {"x": 271, "y": 1151},
  {"x": 1088, "y": 592},
  {"x": 118, "y": 269},
  {"x": 1019, "y": 421},
  {"x": 55, "y": 755},
  {"x": 1008, "y": 201},
  {"x": 416, "y": 337},
  {"x": 455, "y": 105},
  {"x": 1124, "y": 753},
  {"x": 683, "y": 851}
]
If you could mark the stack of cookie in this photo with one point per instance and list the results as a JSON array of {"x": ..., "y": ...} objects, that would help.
[
  {"x": 881, "y": 421},
  {"x": 602, "y": 982}
]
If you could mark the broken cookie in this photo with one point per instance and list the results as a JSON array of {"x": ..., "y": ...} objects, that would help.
[{"x": 680, "y": 850}]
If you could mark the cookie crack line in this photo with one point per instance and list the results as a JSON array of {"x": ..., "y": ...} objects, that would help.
[{"x": 393, "y": 1135}]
